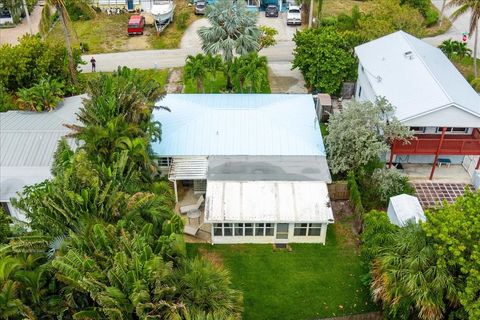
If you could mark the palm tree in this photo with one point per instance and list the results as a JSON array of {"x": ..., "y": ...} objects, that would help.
[
  {"x": 453, "y": 48},
  {"x": 195, "y": 69},
  {"x": 213, "y": 64},
  {"x": 256, "y": 72},
  {"x": 233, "y": 31},
  {"x": 407, "y": 279},
  {"x": 45, "y": 22},
  {"x": 472, "y": 6}
]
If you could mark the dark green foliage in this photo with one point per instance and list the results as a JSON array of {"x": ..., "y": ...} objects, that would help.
[
  {"x": 181, "y": 20},
  {"x": 62, "y": 157},
  {"x": 42, "y": 96},
  {"x": 25, "y": 64},
  {"x": 421, "y": 5},
  {"x": 455, "y": 232},
  {"x": 325, "y": 57},
  {"x": 455, "y": 49},
  {"x": 431, "y": 17},
  {"x": 377, "y": 234},
  {"x": 6, "y": 100},
  {"x": 5, "y": 231},
  {"x": 79, "y": 10},
  {"x": 354, "y": 193}
]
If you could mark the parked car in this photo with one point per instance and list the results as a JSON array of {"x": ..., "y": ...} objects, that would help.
[
  {"x": 200, "y": 7},
  {"x": 136, "y": 25},
  {"x": 271, "y": 11},
  {"x": 294, "y": 16}
]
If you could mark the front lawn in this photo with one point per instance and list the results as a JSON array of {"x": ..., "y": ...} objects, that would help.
[{"x": 313, "y": 281}]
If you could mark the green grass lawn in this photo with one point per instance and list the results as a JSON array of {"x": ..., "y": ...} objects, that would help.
[
  {"x": 158, "y": 75},
  {"x": 313, "y": 281},
  {"x": 218, "y": 84}
]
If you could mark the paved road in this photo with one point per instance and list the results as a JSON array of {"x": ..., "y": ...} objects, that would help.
[
  {"x": 460, "y": 26},
  {"x": 190, "y": 44},
  {"x": 11, "y": 35}
]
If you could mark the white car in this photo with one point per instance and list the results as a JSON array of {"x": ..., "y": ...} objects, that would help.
[{"x": 294, "y": 16}]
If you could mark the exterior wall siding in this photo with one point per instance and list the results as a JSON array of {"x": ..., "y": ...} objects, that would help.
[{"x": 272, "y": 239}]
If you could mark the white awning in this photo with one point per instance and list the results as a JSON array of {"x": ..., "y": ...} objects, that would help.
[
  {"x": 267, "y": 201},
  {"x": 404, "y": 208},
  {"x": 188, "y": 168}
]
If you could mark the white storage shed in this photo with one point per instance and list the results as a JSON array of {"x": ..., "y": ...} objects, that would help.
[{"x": 404, "y": 208}]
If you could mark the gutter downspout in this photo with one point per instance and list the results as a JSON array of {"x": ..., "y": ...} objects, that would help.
[{"x": 444, "y": 129}]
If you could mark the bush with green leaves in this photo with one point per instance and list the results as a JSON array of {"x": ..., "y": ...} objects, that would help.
[
  {"x": 181, "y": 20},
  {"x": 43, "y": 96},
  {"x": 31, "y": 60},
  {"x": 362, "y": 132},
  {"x": 325, "y": 57},
  {"x": 388, "y": 183},
  {"x": 455, "y": 49}
]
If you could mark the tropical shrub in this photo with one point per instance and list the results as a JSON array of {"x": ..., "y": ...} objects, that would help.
[
  {"x": 31, "y": 60},
  {"x": 355, "y": 196},
  {"x": 181, "y": 20},
  {"x": 377, "y": 234},
  {"x": 455, "y": 232},
  {"x": 453, "y": 49},
  {"x": 325, "y": 57},
  {"x": 6, "y": 100},
  {"x": 388, "y": 183},
  {"x": 407, "y": 279},
  {"x": 79, "y": 10},
  {"x": 43, "y": 96}
]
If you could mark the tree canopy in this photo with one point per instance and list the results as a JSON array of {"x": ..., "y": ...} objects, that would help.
[
  {"x": 325, "y": 57},
  {"x": 361, "y": 133}
]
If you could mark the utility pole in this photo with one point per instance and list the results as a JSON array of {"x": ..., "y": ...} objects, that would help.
[{"x": 28, "y": 16}]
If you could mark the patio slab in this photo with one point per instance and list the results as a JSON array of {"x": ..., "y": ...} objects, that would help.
[{"x": 444, "y": 174}]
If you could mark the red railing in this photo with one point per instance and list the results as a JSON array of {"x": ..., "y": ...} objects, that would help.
[{"x": 427, "y": 144}]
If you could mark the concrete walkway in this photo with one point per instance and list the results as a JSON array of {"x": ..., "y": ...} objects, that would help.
[
  {"x": 459, "y": 26},
  {"x": 11, "y": 35}
]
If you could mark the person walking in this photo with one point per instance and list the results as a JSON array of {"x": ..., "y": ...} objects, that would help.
[{"x": 94, "y": 64}]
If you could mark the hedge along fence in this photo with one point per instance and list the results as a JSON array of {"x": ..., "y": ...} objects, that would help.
[{"x": 355, "y": 196}]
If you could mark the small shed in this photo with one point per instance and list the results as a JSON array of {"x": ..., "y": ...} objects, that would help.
[
  {"x": 404, "y": 208},
  {"x": 324, "y": 106}
]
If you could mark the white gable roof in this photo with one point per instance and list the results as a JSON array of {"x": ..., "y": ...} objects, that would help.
[
  {"x": 417, "y": 79},
  {"x": 238, "y": 124}
]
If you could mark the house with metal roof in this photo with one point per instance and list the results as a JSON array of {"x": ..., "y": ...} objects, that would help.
[
  {"x": 28, "y": 141},
  {"x": 430, "y": 96},
  {"x": 258, "y": 160}
]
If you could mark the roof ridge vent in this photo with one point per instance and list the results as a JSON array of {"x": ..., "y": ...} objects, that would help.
[{"x": 409, "y": 55}]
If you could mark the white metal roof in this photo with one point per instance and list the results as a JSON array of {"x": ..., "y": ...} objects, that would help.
[
  {"x": 418, "y": 79},
  {"x": 238, "y": 124},
  {"x": 188, "y": 168},
  {"x": 28, "y": 141},
  {"x": 267, "y": 201},
  {"x": 404, "y": 208}
]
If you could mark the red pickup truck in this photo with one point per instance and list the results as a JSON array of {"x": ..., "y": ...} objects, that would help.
[{"x": 136, "y": 25}]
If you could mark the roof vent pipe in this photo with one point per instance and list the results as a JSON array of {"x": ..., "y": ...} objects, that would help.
[{"x": 408, "y": 55}]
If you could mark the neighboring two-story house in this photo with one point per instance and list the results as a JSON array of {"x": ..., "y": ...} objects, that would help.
[{"x": 430, "y": 96}]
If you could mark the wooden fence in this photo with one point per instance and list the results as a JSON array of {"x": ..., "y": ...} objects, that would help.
[{"x": 338, "y": 190}]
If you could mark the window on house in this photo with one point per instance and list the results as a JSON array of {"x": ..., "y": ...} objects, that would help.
[
  {"x": 418, "y": 129},
  {"x": 217, "y": 229},
  {"x": 359, "y": 91},
  {"x": 164, "y": 162},
  {"x": 249, "y": 229},
  {"x": 269, "y": 229},
  {"x": 453, "y": 130},
  {"x": 300, "y": 229},
  {"x": 238, "y": 229},
  {"x": 227, "y": 229},
  {"x": 259, "y": 229},
  {"x": 314, "y": 229}
]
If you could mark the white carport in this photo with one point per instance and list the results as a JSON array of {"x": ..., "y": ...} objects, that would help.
[
  {"x": 404, "y": 208},
  {"x": 268, "y": 211}
]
